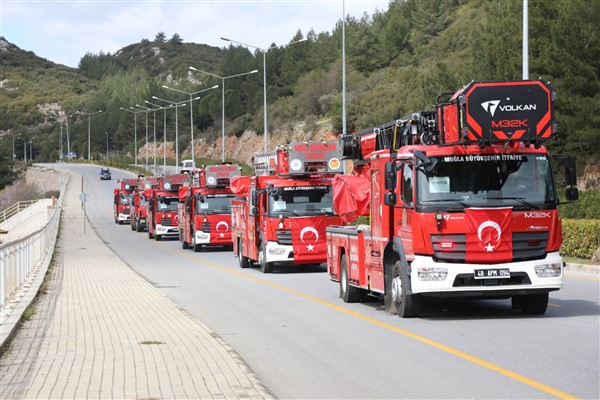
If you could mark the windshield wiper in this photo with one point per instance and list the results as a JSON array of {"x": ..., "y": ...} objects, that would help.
[
  {"x": 462, "y": 203},
  {"x": 519, "y": 199}
]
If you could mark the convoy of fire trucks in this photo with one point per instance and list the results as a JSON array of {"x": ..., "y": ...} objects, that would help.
[
  {"x": 204, "y": 207},
  {"x": 455, "y": 202}
]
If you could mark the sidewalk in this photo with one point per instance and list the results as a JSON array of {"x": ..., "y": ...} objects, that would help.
[{"x": 102, "y": 331}]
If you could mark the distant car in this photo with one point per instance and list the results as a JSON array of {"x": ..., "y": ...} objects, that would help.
[{"x": 105, "y": 174}]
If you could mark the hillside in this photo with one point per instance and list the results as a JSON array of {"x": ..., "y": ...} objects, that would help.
[{"x": 397, "y": 62}]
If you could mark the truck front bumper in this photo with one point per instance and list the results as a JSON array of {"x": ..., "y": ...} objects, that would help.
[
  {"x": 124, "y": 217},
  {"x": 280, "y": 253},
  {"x": 448, "y": 279},
  {"x": 162, "y": 230},
  {"x": 212, "y": 239}
]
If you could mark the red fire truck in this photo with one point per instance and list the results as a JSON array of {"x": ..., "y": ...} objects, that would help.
[
  {"x": 123, "y": 199},
  {"x": 462, "y": 203},
  {"x": 139, "y": 215},
  {"x": 281, "y": 212},
  {"x": 161, "y": 219},
  {"x": 205, "y": 207}
]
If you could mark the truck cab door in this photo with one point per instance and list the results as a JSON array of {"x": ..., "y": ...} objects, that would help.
[
  {"x": 374, "y": 247},
  {"x": 407, "y": 190}
]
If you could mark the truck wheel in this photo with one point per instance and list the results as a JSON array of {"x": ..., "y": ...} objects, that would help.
[
  {"x": 197, "y": 247},
  {"x": 157, "y": 238},
  {"x": 243, "y": 260},
  {"x": 132, "y": 224},
  {"x": 349, "y": 293},
  {"x": 405, "y": 305},
  {"x": 534, "y": 303},
  {"x": 120, "y": 222},
  {"x": 150, "y": 235},
  {"x": 138, "y": 227},
  {"x": 184, "y": 244},
  {"x": 265, "y": 267}
]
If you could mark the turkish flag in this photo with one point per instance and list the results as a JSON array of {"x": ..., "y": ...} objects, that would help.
[
  {"x": 308, "y": 239},
  {"x": 489, "y": 235}
]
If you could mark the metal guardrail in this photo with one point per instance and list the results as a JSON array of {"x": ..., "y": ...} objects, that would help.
[{"x": 22, "y": 258}]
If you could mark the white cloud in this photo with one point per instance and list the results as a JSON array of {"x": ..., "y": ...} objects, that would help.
[{"x": 64, "y": 31}]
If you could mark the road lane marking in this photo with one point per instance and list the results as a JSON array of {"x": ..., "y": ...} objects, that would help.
[{"x": 460, "y": 354}]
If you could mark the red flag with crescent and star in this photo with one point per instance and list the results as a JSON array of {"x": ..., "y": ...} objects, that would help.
[
  {"x": 308, "y": 238},
  {"x": 489, "y": 235}
]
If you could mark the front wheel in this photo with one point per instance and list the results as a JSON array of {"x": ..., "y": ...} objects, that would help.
[
  {"x": 157, "y": 238},
  {"x": 197, "y": 247},
  {"x": 150, "y": 235},
  {"x": 265, "y": 267},
  {"x": 349, "y": 293},
  {"x": 184, "y": 245},
  {"x": 533, "y": 303},
  {"x": 243, "y": 260},
  {"x": 397, "y": 299}
]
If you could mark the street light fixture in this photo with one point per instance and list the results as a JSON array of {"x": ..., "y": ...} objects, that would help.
[
  {"x": 264, "y": 51},
  {"x": 191, "y": 110},
  {"x": 183, "y": 103},
  {"x": 89, "y": 135},
  {"x": 135, "y": 113},
  {"x": 223, "y": 102}
]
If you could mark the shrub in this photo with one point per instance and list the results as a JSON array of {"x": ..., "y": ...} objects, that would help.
[{"x": 581, "y": 237}]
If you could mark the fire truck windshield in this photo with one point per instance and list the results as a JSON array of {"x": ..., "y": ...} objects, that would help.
[
  {"x": 301, "y": 200},
  {"x": 521, "y": 181},
  {"x": 214, "y": 204},
  {"x": 126, "y": 199},
  {"x": 167, "y": 204}
]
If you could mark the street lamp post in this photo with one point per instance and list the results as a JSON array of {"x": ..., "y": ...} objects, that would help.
[
  {"x": 264, "y": 51},
  {"x": 89, "y": 135},
  {"x": 106, "y": 133},
  {"x": 191, "y": 110},
  {"x": 135, "y": 113},
  {"x": 31, "y": 149},
  {"x": 223, "y": 102},
  {"x": 164, "y": 108},
  {"x": 154, "y": 128},
  {"x": 177, "y": 105}
]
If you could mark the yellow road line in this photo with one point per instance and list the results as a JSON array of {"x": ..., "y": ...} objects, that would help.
[{"x": 475, "y": 360}]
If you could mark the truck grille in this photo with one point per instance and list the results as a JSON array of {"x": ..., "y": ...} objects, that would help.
[
  {"x": 526, "y": 246},
  {"x": 284, "y": 237},
  {"x": 206, "y": 227},
  {"x": 167, "y": 222},
  {"x": 126, "y": 211}
]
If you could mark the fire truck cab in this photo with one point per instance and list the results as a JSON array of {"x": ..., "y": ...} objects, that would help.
[
  {"x": 461, "y": 200},
  {"x": 280, "y": 213},
  {"x": 123, "y": 200},
  {"x": 162, "y": 206},
  {"x": 205, "y": 207}
]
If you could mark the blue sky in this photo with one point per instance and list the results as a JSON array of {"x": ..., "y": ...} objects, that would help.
[{"x": 64, "y": 31}]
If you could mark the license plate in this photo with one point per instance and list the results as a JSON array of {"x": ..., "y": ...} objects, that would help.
[{"x": 494, "y": 273}]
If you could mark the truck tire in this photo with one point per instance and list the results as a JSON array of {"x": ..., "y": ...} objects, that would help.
[
  {"x": 184, "y": 245},
  {"x": 138, "y": 227},
  {"x": 349, "y": 293},
  {"x": 157, "y": 238},
  {"x": 195, "y": 246},
  {"x": 396, "y": 296},
  {"x": 150, "y": 235},
  {"x": 534, "y": 303},
  {"x": 243, "y": 260},
  {"x": 265, "y": 267},
  {"x": 132, "y": 225}
]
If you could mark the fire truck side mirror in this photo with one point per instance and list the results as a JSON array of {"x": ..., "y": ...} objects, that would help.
[
  {"x": 389, "y": 199},
  {"x": 390, "y": 175},
  {"x": 572, "y": 194},
  {"x": 570, "y": 171}
]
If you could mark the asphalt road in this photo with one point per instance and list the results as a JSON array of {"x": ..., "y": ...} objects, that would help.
[{"x": 303, "y": 341}]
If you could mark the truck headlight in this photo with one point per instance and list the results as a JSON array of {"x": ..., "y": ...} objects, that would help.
[
  {"x": 432, "y": 274},
  {"x": 548, "y": 270}
]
